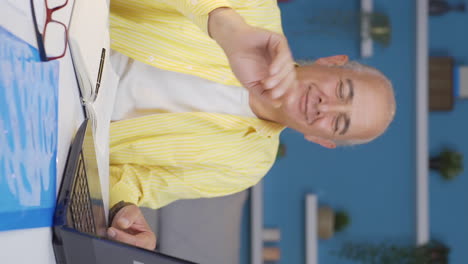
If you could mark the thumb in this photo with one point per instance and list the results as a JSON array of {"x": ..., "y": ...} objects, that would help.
[
  {"x": 265, "y": 95},
  {"x": 256, "y": 87},
  {"x": 145, "y": 240},
  {"x": 121, "y": 236}
]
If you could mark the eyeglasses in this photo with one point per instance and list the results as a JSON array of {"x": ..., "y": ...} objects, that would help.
[{"x": 51, "y": 35}]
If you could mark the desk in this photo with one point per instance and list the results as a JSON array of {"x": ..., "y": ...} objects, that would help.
[{"x": 15, "y": 16}]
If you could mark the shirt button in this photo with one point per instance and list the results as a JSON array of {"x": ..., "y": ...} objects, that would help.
[
  {"x": 190, "y": 67},
  {"x": 194, "y": 2},
  {"x": 151, "y": 58}
]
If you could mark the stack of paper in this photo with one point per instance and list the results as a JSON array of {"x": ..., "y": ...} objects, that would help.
[{"x": 89, "y": 46}]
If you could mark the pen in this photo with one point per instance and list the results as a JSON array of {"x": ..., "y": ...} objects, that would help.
[{"x": 101, "y": 66}]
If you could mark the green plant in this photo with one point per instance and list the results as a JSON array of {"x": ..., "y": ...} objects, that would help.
[
  {"x": 281, "y": 151},
  {"x": 380, "y": 28},
  {"x": 342, "y": 220},
  {"x": 386, "y": 253},
  {"x": 448, "y": 163}
]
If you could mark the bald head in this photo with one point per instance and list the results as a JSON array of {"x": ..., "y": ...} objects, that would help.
[{"x": 384, "y": 103}]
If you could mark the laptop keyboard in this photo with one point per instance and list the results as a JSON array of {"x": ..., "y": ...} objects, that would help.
[{"x": 80, "y": 207}]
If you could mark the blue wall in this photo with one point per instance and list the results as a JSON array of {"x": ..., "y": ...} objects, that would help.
[
  {"x": 375, "y": 182},
  {"x": 448, "y": 215}
]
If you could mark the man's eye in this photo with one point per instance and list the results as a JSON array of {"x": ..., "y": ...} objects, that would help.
[
  {"x": 341, "y": 90},
  {"x": 336, "y": 125}
]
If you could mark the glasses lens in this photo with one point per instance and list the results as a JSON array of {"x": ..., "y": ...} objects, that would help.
[
  {"x": 54, "y": 39},
  {"x": 51, "y": 4}
]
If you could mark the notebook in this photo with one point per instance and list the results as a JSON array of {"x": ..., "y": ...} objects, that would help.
[
  {"x": 79, "y": 221},
  {"x": 88, "y": 38}
]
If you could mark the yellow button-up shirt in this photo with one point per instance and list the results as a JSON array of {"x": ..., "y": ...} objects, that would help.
[{"x": 160, "y": 158}]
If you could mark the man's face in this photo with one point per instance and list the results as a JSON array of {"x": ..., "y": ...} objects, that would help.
[{"x": 332, "y": 103}]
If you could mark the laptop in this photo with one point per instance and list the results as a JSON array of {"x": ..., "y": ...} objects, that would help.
[{"x": 79, "y": 231}]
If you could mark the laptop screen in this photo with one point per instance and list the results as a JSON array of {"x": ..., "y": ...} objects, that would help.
[
  {"x": 79, "y": 202},
  {"x": 89, "y": 187}
]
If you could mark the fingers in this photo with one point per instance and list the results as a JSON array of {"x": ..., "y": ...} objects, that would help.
[
  {"x": 282, "y": 74},
  {"x": 288, "y": 86},
  {"x": 145, "y": 239},
  {"x": 127, "y": 216},
  {"x": 264, "y": 65},
  {"x": 282, "y": 81},
  {"x": 277, "y": 87},
  {"x": 280, "y": 54},
  {"x": 129, "y": 226}
]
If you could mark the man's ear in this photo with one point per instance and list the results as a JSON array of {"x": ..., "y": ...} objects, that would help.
[
  {"x": 322, "y": 142},
  {"x": 337, "y": 60}
]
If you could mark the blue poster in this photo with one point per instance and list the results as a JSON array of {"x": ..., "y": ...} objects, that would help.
[{"x": 28, "y": 135}]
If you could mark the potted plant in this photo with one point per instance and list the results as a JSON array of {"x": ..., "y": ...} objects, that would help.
[
  {"x": 331, "y": 222},
  {"x": 441, "y": 7},
  {"x": 448, "y": 163},
  {"x": 342, "y": 221},
  {"x": 433, "y": 252},
  {"x": 281, "y": 150},
  {"x": 380, "y": 28}
]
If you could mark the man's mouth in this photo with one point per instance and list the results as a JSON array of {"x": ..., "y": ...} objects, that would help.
[
  {"x": 304, "y": 102},
  {"x": 307, "y": 117},
  {"x": 309, "y": 108}
]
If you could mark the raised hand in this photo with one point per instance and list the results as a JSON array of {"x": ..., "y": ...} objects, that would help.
[{"x": 260, "y": 59}]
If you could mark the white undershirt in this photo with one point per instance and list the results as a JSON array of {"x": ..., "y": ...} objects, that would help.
[{"x": 145, "y": 90}]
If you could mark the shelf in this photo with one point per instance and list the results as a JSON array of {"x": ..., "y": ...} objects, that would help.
[
  {"x": 256, "y": 223},
  {"x": 422, "y": 156},
  {"x": 311, "y": 209},
  {"x": 366, "y": 40}
]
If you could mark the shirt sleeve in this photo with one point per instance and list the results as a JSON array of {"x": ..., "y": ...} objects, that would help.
[
  {"x": 197, "y": 171},
  {"x": 156, "y": 160},
  {"x": 198, "y": 10},
  {"x": 157, "y": 186}
]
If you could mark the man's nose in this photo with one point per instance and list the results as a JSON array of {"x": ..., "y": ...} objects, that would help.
[{"x": 332, "y": 107}]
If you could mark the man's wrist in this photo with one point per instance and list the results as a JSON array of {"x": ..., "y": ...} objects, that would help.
[
  {"x": 115, "y": 209},
  {"x": 223, "y": 24}
]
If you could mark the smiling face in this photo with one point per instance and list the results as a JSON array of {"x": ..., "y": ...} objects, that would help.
[{"x": 333, "y": 104}]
